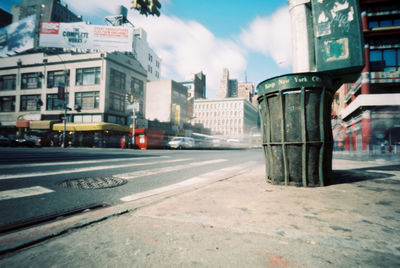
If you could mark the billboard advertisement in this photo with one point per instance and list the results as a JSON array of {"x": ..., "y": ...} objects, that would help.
[
  {"x": 17, "y": 37},
  {"x": 85, "y": 36}
]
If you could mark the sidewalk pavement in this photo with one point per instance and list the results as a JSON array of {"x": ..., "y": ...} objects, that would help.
[{"x": 242, "y": 221}]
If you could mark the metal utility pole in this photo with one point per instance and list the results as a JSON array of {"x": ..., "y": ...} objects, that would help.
[{"x": 302, "y": 36}]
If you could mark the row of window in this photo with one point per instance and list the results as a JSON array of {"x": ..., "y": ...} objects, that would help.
[
  {"x": 87, "y": 100},
  {"x": 226, "y": 105},
  {"x": 229, "y": 122},
  {"x": 384, "y": 59},
  {"x": 87, "y": 76},
  {"x": 219, "y": 113},
  {"x": 383, "y": 23},
  {"x": 151, "y": 60},
  {"x": 84, "y": 76}
]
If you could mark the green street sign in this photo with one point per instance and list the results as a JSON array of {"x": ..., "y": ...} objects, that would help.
[{"x": 339, "y": 44}]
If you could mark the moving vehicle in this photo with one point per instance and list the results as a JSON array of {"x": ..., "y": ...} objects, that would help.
[{"x": 181, "y": 143}]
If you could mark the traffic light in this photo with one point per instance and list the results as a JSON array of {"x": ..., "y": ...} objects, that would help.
[
  {"x": 147, "y": 7},
  {"x": 130, "y": 97},
  {"x": 154, "y": 6},
  {"x": 78, "y": 108}
]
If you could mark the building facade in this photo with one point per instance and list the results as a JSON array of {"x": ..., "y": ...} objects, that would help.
[
  {"x": 45, "y": 10},
  {"x": 97, "y": 82},
  {"x": 371, "y": 113},
  {"x": 150, "y": 61},
  {"x": 228, "y": 117},
  {"x": 166, "y": 101}
]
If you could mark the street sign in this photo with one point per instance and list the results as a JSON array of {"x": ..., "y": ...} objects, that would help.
[{"x": 339, "y": 46}]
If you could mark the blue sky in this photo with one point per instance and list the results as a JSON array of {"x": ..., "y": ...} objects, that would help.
[{"x": 247, "y": 37}]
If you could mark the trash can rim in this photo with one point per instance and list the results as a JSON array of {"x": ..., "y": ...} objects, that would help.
[{"x": 288, "y": 81}]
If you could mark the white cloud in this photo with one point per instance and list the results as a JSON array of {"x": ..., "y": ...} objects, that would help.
[
  {"x": 188, "y": 47},
  {"x": 270, "y": 36}
]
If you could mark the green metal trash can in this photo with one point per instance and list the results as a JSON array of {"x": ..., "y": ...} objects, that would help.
[{"x": 296, "y": 127}]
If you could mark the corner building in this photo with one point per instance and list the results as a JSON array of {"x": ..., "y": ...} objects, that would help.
[
  {"x": 98, "y": 82},
  {"x": 371, "y": 113}
]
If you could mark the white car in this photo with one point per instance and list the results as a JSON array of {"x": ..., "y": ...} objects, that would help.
[{"x": 181, "y": 142}]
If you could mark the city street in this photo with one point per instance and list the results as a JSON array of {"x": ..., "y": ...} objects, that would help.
[
  {"x": 220, "y": 214},
  {"x": 41, "y": 184}
]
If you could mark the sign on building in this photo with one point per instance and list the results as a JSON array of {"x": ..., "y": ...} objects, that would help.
[
  {"x": 85, "y": 36},
  {"x": 17, "y": 37}
]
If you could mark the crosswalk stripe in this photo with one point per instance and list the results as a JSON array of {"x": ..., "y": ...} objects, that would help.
[
  {"x": 142, "y": 173},
  {"x": 24, "y": 192},
  {"x": 221, "y": 173},
  {"x": 77, "y": 162},
  {"x": 75, "y": 170}
]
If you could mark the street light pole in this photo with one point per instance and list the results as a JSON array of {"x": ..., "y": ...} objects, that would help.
[{"x": 65, "y": 125}]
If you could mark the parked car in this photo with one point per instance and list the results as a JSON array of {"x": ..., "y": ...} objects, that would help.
[
  {"x": 6, "y": 141},
  {"x": 33, "y": 140},
  {"x": 181, "y": 143}
]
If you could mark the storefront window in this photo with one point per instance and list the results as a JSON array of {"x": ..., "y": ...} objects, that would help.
[
  {"x": 8, "y": 82},
  {"x": 7, "y": 104},
  {"x": 87, "y": 100},
  {"x": 88, "y": 76},
  {"x": 30, "y": 102}
]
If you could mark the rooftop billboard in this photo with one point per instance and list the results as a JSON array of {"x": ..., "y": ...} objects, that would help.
[
  {"x": 17, "y": 37},
  {"x": 85, "y": 36}
]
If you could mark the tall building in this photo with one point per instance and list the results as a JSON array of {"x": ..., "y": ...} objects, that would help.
[
  {"x": 246, "y": 90},
  {"x": 145, "y": 55},
  {"x": 45, "y": 10},
  {"x": 166, "y": 101},
  {"x": 228, "y": 88},
  {"x": 228, "y": 117},
  {"x": 196, "y": 86},
  {"x": 371, "y": 115},
  {"x": 98, "y": 82}
]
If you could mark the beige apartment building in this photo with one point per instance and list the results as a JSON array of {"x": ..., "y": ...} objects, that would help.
[{"x": 228, "y": 117}]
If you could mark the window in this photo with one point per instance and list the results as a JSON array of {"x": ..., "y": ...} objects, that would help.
[
  {"x": 88, "y": 76},
  {"x": 31, "y": 80},
  {"x": 384, "y": 60},
  {"x": 150, "y": 58},
  {"x": 157, "y": 64},
  {"x": 53, "y": 103},
  {"x": 7, "y": 104},
  {"x": 30, "y": 103},
  {"x": 87, "y": 100},
  {"x": 56, "y": 78},
  {"x": 8, "y": 82},
  {"x": 117, "y": 103},
  {"x": 137, "y": 88},
  {"x": 149, "y": 69},
  {"x": 117, "y": 80}
]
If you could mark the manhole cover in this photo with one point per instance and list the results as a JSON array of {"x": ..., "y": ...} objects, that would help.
[{"x": 93, "y": 183}]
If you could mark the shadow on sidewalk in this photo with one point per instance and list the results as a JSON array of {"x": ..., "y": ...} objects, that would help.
[{"x": 363, "y": 174}]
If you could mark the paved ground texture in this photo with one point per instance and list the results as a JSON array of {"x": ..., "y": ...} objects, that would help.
[{"x": 244, "y": 222}]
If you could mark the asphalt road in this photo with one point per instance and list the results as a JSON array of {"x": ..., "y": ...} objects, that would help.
[{"x": 40, "y": 184}]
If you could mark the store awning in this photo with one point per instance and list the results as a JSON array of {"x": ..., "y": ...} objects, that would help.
[
  {"x": 90, "y": 127},
  {"x": 22, "y": 123},
  {"x": 42, "y": 124}
]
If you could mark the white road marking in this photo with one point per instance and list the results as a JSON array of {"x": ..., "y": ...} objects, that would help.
[
  {"x": 77, "y": 162},
  {"x": 142, "y": 173},
  {"x": 221, "y": 173},
  {"x": 76, "y": 170},
  {"x": 23, "y": 192}
]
